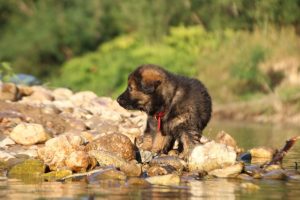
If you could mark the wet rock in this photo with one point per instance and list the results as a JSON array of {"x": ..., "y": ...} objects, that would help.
[
  {"x": 57, "y": 149},
  {"x": 62, "y": 94},
  {"x": 225, "y": 138},
  {"x": 262, "y": 152},
  {"x": 105, "y": 158},
  {"x": 115, "y": 143},
  {"x": 271, "y": 168},
  {"x": 230, "y": 171},
  {"x": 78, "y": 161},
  {"x": 8, "y": 91},
  {"x": 211, "y": 156},
  {"x": 134, "y": 181},
  {"x": 107, "y": 174},
  {"x": 170, "y": 179},
  {"x": 29, "y": 134},
  {"x": 275, "y": 174},
  {"x": 245, "y": 157},
  {"x": 27, "y": 168},
  {"x": 57, "y": 175},
  {"x": 172, "y": 161}
]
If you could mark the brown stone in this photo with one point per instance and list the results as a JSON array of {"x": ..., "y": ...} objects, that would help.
[{"x": 115, "y": 143}]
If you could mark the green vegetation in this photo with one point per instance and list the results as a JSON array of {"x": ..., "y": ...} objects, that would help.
[{"x": 233, "y": 46}]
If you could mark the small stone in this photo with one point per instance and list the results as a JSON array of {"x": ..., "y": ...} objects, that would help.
[
  {"x": 230, "y": 171},
  {"x": 170, "y": 179},
  {"x": 29, "y": 134},
  {"x": 262, "y": 152},
  {"x": 115, "y": 143},
  {"x": 77, "y": 161},
  {"x": 146, "y": 156},
  {"x": 56, "y": 175},
  {"x": 211, "y": 156},
  {"x": 244, "y": 177}
]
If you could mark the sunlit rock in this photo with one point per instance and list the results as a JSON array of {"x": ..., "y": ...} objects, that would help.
[
  {"x": 61, "y": 94},
  {"x": 115, "y": 143},
  {"x": 29, "y": 134},
  {"x": 230, "y": 171},
  {"x": 211, "y": 156}
]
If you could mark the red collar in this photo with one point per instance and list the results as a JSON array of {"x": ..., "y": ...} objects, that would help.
[{"x": 158, "y": 117}]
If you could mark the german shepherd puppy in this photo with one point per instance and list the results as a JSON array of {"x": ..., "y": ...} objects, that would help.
[{"x": 178, "y": 108}]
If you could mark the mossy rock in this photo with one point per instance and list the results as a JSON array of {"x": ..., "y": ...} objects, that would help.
[
  {"x": 28, "y": 170},
  {"x": 56, "y": 175}
]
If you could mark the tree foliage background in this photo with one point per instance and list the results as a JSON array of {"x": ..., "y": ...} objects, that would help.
[{"x": 80, "y": 43}]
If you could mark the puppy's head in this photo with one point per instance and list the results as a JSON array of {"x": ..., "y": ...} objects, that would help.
[{"x": 144, "y": 90}]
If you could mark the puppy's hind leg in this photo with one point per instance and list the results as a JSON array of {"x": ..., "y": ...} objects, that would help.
[{"x": 188, "y": 140}]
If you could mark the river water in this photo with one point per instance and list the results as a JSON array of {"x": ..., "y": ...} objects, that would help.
[{"x": 247, "y": 136}]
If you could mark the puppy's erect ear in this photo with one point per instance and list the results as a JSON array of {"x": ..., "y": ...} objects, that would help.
[{"x": 150, "y": 87}]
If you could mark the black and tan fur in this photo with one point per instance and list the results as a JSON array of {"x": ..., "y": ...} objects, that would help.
[{"x": 184, "y": 101}]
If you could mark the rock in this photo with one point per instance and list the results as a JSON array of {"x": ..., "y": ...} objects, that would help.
[
  {"x": 25, "y": 90},
  {"x": 170, "y": 179},
  {"x": 225, "y": 138},
  {"x": 83, "y": 97},
  {"x": 115, "y": 143},
  {"x": 134, "y": 181},
  {"x": 6, "y": 142},
  {"x": 107, "y": 174},
  {"x": 275, "y": 174},
  {"x": 61, "y": 94},
  {"x": 245, "y": 157},
  {"x": 57, "y": 149},
  {"x": 39, "y": 95},
  {"x": 172, "y": 161},
  {"x": 78, "y": 161},
  {"x": 211, "y": 156},
  {"x": 4, "y": 156},
  {"x": 249, "y": 186},
  {"x": 160, "y": 170},
  {"x": 244, "y": 177},
  {"x": 230, "y": 171},
  {"x": 131, "y": 169},
  {"x": 105, "y": 158},
  {"x": 262, "y": 152},
  {"x": 29, "y": 134},
  {"x": 27, "y": 168},
  {"x": 102, "y": 126},
  {"x": 57, "y": 175},
  {"x": 8, "y": 91},
  {"x": 146, "y": 156}
]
